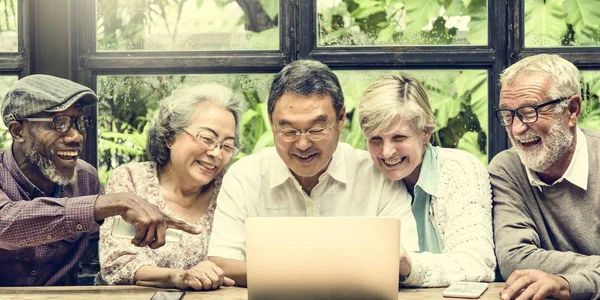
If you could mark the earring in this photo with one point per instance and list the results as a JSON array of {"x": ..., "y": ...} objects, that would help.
[{"x": 169, "y": 145}]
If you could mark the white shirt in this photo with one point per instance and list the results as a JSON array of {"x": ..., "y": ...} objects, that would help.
[
  {"x": 261, "y": 185},
  {"x": 576, "y": 173}
]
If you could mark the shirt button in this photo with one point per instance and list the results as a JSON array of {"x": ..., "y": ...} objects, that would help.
[
  {"x": 49, "y": 237},
  {"x": 79, "y": 226},
  {"x": 33, "y": 273}
]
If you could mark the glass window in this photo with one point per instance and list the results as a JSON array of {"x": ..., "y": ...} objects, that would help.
[
  {"x": 6, "y": 82},
  {"x": 127, "y": 104},
  {"x": 402, "y": 22},
  {"x": 125, "y": 25},
  {"x": 555, "y": 23},
  {"x": 9, "y": 32},
  {"x": 590, "y": 112}
]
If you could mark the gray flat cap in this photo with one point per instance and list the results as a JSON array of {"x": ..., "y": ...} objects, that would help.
[{"x": 43, "y": 93}]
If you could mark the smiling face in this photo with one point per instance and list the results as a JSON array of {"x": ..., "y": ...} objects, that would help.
[
  {"x": 398, "y": 150},
  {"x": 306, "y": 158},
  {"x": 192, "y": 159},
  {"x": 543, "y": 143},
  {"x": 52, "y": 153}
]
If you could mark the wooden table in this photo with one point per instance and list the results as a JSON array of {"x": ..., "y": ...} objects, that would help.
[{"x": 143, "y": 293}]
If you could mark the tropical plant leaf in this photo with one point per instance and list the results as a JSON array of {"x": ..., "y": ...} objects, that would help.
[
  {"x": 583, "y": 15},
  {"x": 418, "y": 14},
  {"x": 444, "y": 107},
  {"x": 266, "y": 140},
  {"x": 478, "y": 26},
  {"x": 474, "y": 83},
  {"x": 469, "y": 142},
  {"x": 544, "y": 23},
  {"x": 456, "y": 8}
]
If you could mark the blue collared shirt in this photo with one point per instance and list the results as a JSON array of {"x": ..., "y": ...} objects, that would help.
[{"x": 425, "y": 188}]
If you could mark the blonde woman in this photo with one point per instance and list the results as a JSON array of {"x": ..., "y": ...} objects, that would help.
[{"x": 450, "y": 189}]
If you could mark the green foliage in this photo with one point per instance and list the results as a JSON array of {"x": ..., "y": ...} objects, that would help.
[{"x": 550, "y": 23}]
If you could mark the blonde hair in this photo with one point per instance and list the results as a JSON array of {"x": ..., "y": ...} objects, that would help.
[
  {"x": 564, "y": 75},
  {"x": 391, "y": 97}
]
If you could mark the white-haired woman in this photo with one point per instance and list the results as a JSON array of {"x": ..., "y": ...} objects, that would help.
[
  {"x": 192, "y": 138},
  {"x": 450, "y": 188}
]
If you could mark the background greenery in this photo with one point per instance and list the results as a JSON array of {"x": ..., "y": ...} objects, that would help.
[{"x": 459, "y": 97}]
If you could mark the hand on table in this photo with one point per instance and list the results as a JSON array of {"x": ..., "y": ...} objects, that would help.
[
  {"x": 405, "y": 263},
  {"x": 204, "y": 276},
  {"x": 535, "y": 284}
]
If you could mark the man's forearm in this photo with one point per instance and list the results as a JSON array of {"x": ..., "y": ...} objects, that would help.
[{"x": 233, "y": 268}]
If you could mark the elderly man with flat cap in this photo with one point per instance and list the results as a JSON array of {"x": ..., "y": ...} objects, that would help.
[{"x": 51, "y": 203}]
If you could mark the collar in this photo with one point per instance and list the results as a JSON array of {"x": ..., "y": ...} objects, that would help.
[
  {"x": 280, "y": 172},
  {"x": 578, "y": 170},
  {"x": 428, "y": 175}
]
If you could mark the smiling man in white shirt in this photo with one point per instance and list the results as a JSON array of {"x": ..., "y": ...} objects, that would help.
[{"x": 308, "y": 172}]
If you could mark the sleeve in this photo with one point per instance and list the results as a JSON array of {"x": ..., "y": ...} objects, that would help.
[
  {"x": 518, "y": 244},
  {"x": 44, "y": 220},
  {"x": 119, "y": 259},
  {"x": 399, "y": 206},
  {"x": 228, "y": 237},
  {"x": 465, "y": 222}
]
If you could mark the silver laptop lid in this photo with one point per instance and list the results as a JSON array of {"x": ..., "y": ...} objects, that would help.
[{"x": 322, "y": 258}]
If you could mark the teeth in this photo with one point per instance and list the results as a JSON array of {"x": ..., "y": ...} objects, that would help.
[
  {"x": 67, "y": 153},
  {"x": 528, "y": 140},
  {"x": 206, "y": 165},
  {"x": 392, "y": 161}
]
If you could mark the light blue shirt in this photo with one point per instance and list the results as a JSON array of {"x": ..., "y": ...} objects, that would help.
[{"x": 425, "y": 188}]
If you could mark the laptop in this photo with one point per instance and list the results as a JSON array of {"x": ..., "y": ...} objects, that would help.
[{"x": 322, "y": 258}]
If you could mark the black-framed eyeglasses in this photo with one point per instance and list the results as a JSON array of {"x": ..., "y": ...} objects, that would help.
[
  {"x": 528, "y": 114},
  {"x": 314, "y": 134},
  {"x": 63, "y": 123},
  {"x": 211, "y": 142}
]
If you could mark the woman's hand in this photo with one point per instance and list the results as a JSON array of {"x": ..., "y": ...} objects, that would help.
[
  {"x": 204, "y": 276},
  {"x": 405, "y": 263}
]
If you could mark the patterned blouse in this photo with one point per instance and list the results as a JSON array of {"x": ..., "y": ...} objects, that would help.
[{"x": 119, "y": 259}]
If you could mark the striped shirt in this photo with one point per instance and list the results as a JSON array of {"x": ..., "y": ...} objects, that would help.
[{"x": 42, "y": 238}]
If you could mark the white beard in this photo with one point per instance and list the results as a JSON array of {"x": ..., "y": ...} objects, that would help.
[
  {"x": 553, "y": 147},
  {"x": 47, "y": 167}
]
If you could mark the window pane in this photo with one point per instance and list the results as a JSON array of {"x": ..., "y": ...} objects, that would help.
[
  {"x": 127, "y": 104},
  {"x": 186, "y": 25},
  {"x": 9, "y": 33},
  {"x": 459, "y": 99},
  {"x": 590, "y": 112},
  {"x": 6, "y": 82},
  {"x": 555, "y": 23},
  {"x": 402, "y": 22}
]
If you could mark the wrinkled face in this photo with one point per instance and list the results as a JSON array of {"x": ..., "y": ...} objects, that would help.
[
  {"x": 55, "y": 154},
  {"x": 398, "y": 150},
  {"x": 192, "y": 158},
  {"x": 305, "y": 157},
  {"x": 543, "y": 143}
]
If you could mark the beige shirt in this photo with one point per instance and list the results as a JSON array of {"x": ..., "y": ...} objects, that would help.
[{"x": 261, "y": 185}]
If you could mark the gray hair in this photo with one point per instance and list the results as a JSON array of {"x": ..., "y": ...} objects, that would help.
[
  {"x": 564, "y": 75},
  {"x": 307, "y": 77},
  {"x": 176, "y": 111},
  {"x": 393, "y": 96}
]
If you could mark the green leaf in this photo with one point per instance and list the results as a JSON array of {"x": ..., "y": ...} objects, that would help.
[
  {"x": 199, "y": 3},
  {"x": 444, "y": 108},
  {"x": 266, "y": 140},
  {"x": 248, "y": 116},
  {"x": 468, "y": 142},
  {"x": 456, "y": 8},
  {"x": 386, "y": 34},
  {"x": 544, "y": 23},
  {"x": 271, "y": 7},
  {"x": 583, "y": 14},
  {"x": 592, "y": 79},
  {"x": 478, "y": 26},
  {"x": 418, "y": 14},
  {"x": 362, "y": 13},
  {"x": 475, "y": 84},
  {"x": 466, "y": 3}
]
